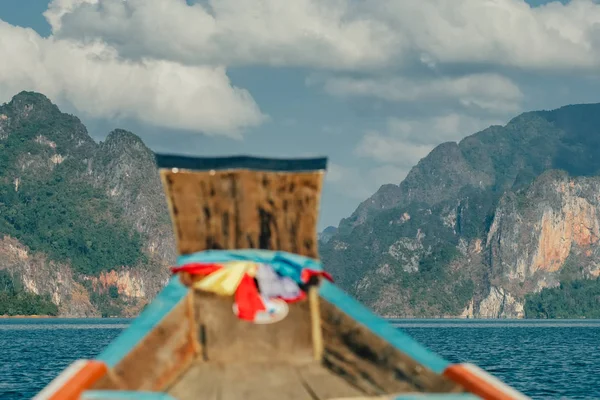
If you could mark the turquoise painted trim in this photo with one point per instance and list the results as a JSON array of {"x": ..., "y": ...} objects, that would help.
[
  {"x": 382, "y": 328},
  {"x": 284, "y": 263},
  {"x": 144, "y": 323},
  {"x": 436, "y": 396},
  {"x": 124, "y": 395}
]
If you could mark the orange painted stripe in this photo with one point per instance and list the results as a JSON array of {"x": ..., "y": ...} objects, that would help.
[
  {"x": 74, "y": 380},
  {"x": 479, "y": 382}
]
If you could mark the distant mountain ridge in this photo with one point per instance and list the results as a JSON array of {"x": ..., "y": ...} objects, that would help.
[
  {"x": 499, "y": 157},
  {"x": 467, "y": 232},
  {"x": 474, "y": 229},
  {"x": 327, "y": 233},
  {"x": 84, "y": 224}
]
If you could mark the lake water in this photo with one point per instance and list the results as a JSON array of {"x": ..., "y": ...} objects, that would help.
[{"x": 543, "y": 359}]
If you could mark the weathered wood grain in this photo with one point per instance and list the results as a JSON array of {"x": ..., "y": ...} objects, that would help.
[
  {"x": 244, "y": 209},
  {"x": 370, "y": 363},
  {"x": 324, "y": 384},
  {"x": 225, "y": 338},
  {"x": 263, "y": 381},
  {"x": 110, "y": 381},
  {"x": 260, "y": 380},
  {"x": 211, "y": 354},
  {"x": 201, "y": 381},
  {"x": 163, "y": 355},
  {"x": 315, "y": 321}
]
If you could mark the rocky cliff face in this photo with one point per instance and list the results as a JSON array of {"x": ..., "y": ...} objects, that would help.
[
  {"x": 473, "y": 228},
  {"x": 537, "y": 233},
  {"x": 40, "y": 275},
  {"x": 477, "y": 225},
  {"x": 72, "y": 292},
  {"x": 86, "y": 223},
  {"x": 124, "y": 167}
]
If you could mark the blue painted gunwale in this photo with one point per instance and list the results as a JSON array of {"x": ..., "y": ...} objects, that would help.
[{"x": 160, "y": 307}]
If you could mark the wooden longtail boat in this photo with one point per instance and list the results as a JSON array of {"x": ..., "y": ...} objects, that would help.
[{"x": 249, "y": 312}]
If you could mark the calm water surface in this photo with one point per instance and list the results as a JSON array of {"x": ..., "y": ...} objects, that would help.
[{"x": 544, "y": 359}]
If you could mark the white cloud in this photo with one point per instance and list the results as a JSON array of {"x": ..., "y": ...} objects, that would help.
[
  {"x": 59, "y": 8},
  {"x": 230, "y": 32},
  {"x": 391, "y": 149},
  {"x": 163, "y": 61},
  {"x": 98, "y": 83},
  {"x": 348, "y": 181},
  {"x": 377, "y": 39},
  {"x": 387, "y": 173},
  {"x": 338, "y": 34},
  {"x": 406, "y": 141},
  {"x": 397, "y": 150},
  {"x": 145, "y": 43},
  {"x": 490, "y": 92},
  {"x": 360, "y": 183},
  {"x": 335, "y": 172},
  {"x": 502, "y": 32}
]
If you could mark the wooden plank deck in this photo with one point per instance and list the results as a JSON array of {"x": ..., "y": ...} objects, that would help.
[{"x": 261, "y": 381}]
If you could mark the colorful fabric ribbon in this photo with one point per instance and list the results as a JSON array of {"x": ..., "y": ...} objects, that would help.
[{"x": 259, "y": 280}]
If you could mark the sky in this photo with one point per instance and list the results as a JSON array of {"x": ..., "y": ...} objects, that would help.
[{"x": 373, "y": 85}]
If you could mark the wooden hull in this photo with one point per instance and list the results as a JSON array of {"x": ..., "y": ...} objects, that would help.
[{"x": 190, "y": 343}]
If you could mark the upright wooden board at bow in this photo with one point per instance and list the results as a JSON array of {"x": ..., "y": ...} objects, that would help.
[{"x": 243, "y": 202}]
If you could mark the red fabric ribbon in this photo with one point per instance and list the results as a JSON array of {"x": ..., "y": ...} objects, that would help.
[
  {"x": 197, "y": 268},
  {"x": 309, "y": 273},
  {"x": 248, "y": 299}
]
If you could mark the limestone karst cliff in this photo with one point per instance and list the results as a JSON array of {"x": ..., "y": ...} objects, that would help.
[
  {"x": 474, "y": 228},
  {"x": 477, "y": 225},
  {"x": 538, "y": 232},
  {"x": 82, "y": 222}
]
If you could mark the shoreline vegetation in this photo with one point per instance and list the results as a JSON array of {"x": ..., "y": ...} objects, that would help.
[
  {"x": 15, "y": 300},
  {"x": 577, "y": 299}
]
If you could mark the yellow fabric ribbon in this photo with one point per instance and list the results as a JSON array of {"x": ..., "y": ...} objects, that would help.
[{"x": 225, "y": 281}]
